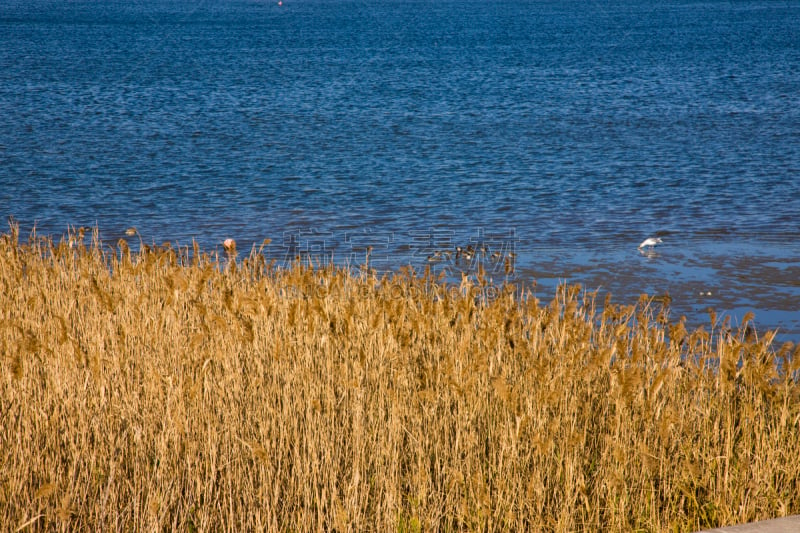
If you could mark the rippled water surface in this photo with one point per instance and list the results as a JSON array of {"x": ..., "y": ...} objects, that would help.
[{"x": 563, "y": 132}]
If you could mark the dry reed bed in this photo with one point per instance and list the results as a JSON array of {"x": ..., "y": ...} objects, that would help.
[{"x": 165, "y": 390}]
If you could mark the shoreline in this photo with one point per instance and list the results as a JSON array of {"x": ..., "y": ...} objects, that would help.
[{"x": 729, "y": 277}]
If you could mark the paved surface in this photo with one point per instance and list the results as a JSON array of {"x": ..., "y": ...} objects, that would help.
[{"x": 790, "y": 524}]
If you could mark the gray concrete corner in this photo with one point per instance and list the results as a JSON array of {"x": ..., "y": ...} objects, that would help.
[{"x": 789, "y": 524}]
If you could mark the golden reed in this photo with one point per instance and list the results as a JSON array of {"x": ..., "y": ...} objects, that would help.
[{"x": 177, "y": 390}]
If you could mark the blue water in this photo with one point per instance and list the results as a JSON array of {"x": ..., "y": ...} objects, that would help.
[{"x": 564, "y": 132}]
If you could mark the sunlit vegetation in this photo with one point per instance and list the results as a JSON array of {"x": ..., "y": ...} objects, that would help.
[{"x": 174, "y": 389}]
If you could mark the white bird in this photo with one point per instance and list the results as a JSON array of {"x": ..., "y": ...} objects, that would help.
[
  {"x": 229, "y": 245},
  {"x": 651, "y": 242}
]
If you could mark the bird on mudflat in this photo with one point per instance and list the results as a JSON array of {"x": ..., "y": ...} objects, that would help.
[{"x": 651, "y": 242}]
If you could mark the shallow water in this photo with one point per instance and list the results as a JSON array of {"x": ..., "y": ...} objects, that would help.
[{"x": 562, "y": 132}]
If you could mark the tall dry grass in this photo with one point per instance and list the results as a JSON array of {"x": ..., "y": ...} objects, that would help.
[{"x": 168, "y": 390}]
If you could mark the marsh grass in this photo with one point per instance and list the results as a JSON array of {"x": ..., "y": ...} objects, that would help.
[{"x": 172, "y": 389}]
